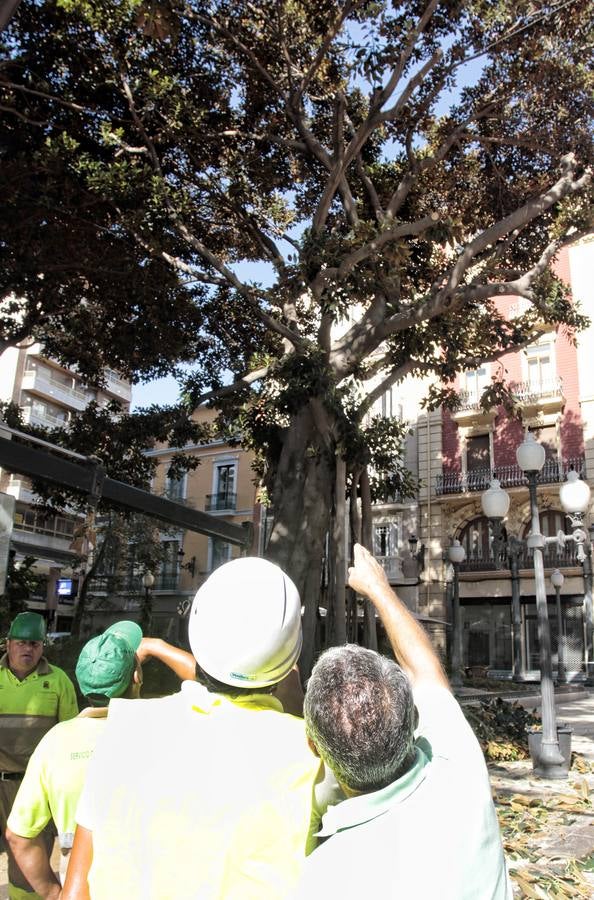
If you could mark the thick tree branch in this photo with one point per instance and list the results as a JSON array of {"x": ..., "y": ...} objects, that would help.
[
  {"x": 14, "y": 112},
  {"x": 389, "y": 115},
  {"x": 565, "y": 186},
  {"x": 366, "y": 335},
  {"x": 423, "y": 165},
  {"x": 238, "y": 385},
  {"x": 443, "y": 298},
  {"x": 375, "y": 117},
  {"x": 388, "y": 236},
  {"x": 380, "y": 389},
  {"x": 384, "y": 95}
]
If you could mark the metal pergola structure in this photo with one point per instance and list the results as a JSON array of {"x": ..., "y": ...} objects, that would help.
[{"x": 54, "y": 465}]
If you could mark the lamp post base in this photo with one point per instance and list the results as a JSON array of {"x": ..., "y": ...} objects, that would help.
[{"x": 544, "y": 768}]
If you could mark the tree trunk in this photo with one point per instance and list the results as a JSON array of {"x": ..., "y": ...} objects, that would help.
[
  {"x": 88, "y": 575},
  {"x": 302, "y": 497},
  {"x": 369, "y": 625},
  {"x": 336, "y": 606},
  {"x": 339, "y": 541}
]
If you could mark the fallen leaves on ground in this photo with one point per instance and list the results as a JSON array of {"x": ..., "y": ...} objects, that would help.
[
  {"x": 526, "y": 822},
  {"x": 500, "y": 727}
]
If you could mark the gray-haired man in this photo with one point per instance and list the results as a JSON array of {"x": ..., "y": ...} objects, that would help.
[{"x": 418, "y": 819}]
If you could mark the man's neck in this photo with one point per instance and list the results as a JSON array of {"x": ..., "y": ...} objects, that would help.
[{"x": 21, "y": 674}]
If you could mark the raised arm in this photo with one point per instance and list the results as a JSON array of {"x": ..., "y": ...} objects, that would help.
[
  {"x": 179, "y": 661},
  {"x": 412, "y": 648}
]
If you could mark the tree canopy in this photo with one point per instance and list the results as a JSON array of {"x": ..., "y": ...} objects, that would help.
[{"x": 409, "y": 161}]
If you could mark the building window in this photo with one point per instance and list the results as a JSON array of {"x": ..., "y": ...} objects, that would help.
[
  {"x": 475, "y": 382},
  {"x": 540, "y": 365},
  {"x": 390, "y": 408},
  {"x": 553, "y": 521},
  {"x": 47, "y": 523},
  {"x": 385, "y": 539},
  {"x": 169, "y": 569},
  {"x": 224, "y": 487},
  {"x": 219, "y": 552},
  {"x": 476, "y": 539},
  {"x": 175, "y": 487},
  {"x": 478, "y": 453},
  {"x": 547, "y": 436}
]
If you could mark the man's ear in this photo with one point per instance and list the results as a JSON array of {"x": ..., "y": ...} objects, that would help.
[
  {"x": 313, "y": 747},
  {"x": 137, "y": 677}
]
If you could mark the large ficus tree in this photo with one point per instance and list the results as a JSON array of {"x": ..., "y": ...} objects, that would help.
[{"x": 393, "y": 167}]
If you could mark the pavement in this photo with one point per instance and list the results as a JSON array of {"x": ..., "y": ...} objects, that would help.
[{"x": 547, "y": 824}]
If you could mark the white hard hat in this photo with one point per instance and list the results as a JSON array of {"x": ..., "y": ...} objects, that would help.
[{"x": 245, "y": 624}]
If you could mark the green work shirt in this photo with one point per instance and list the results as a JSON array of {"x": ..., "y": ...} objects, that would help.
[
  {"x": 29, "y": 708},
  {"x": 433, "y": 833},
  {"x": 55, "y": 777}
]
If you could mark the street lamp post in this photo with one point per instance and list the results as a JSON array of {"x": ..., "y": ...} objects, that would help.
[
  {"x": 514, "y": 550},
  {"x": 456, "y": 555},
  {"x": 575, "y": 499},
  {"x": 557, "y": 580},
  {"x": 531, "y": 457},
  {"x": 495, "y": 503}
]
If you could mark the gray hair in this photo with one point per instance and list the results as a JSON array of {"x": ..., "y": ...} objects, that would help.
[{"x": 360, "y": 714}]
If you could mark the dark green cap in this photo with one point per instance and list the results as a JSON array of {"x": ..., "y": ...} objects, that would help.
[
  {"x": 106, "y": 663},
  {"x": 27, "y": 626}
]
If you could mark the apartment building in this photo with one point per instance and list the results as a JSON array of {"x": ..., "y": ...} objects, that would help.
[
  {"x": 49, "y": 395},
  {"x": 223, "y": 486},
  {"x": 457, "y": 454}
]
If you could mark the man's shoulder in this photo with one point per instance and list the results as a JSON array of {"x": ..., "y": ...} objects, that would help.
[
  {"x": 50, "y": 669},
  {"x": 443, "y": 724}
]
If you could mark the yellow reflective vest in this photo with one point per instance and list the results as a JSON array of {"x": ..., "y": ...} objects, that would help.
[
  {"x": 198, "y": 796},
  {"x": 29, "y": 708}
]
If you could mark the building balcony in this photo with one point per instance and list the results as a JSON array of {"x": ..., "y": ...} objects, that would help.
[
  {"x": 108, "y": 584},
  {"x": 553, "y": 559},
  {"x": 116, "y": 386},
  {"x": 44, "y": 385},
  {"x": 45, "y": 420},
  {"x": 470, "y": 412},
  {"x": 225, "y": 502},
  {"x": 20, "y": 489},
  {"x": 553, "y": 472},
  {"x": 544, "y": 396},
  {"x": 391, "y": 565}
]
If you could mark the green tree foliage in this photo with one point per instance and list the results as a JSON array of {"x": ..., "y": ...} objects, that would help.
[
  {"x": 22, "y": 582},
  {"x": 409, "y": 162}
]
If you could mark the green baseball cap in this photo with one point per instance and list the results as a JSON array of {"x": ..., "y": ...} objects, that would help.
[
  {"x": 106, "y": 663},
  {"x": 27, "y": 626}
]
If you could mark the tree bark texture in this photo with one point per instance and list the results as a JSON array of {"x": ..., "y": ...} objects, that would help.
[
  {"x": 302, "y": 499},
  {"x": 369, "y": 624}
]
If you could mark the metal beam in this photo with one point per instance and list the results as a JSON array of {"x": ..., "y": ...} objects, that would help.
[{"x": 44, "y": 466}]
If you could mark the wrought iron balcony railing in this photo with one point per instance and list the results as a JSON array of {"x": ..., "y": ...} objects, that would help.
[
  {"x": 391, "y": 565},
  {"x": 553, "y": 559},
  {"x": 523, "y": 391},
  {"x": 530, "y": 391},
  {"x": 553, "y": 472},
  {"x": 108, "y": 584},
  {"x": 219, "y": 502}
]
